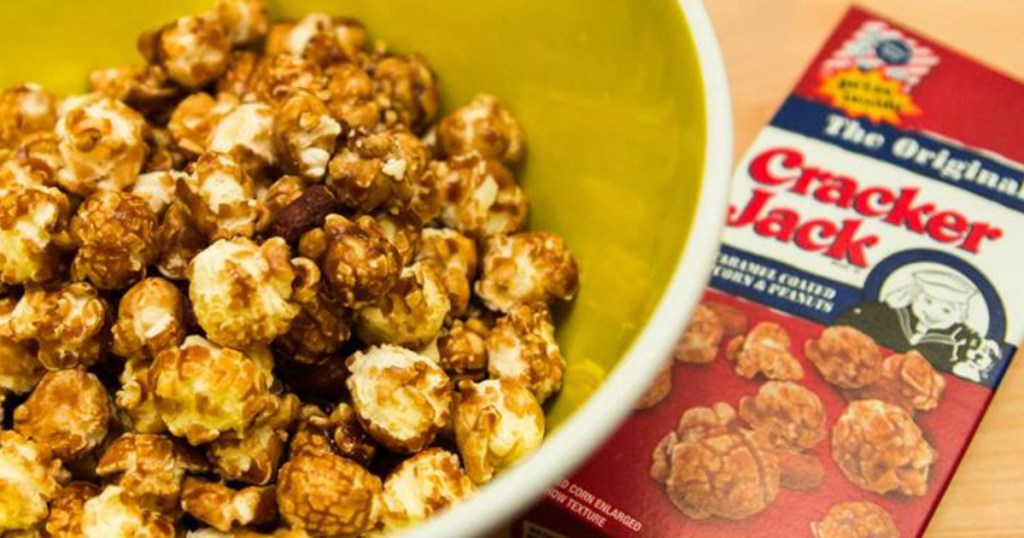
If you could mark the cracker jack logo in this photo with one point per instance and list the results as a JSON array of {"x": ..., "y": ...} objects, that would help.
[
  {"x": 786, "y": 171},
  {"x": 873, "y": 72}
]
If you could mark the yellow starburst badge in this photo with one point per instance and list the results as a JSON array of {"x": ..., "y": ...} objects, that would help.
[{"x": 869, "y": 94}]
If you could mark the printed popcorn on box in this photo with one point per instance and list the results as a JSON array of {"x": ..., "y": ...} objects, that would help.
[{"x": 864, "y": 306}]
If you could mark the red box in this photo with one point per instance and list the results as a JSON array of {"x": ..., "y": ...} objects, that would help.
[{"x": 863, "y": 309}]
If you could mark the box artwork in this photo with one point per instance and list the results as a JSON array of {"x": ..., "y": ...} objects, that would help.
[{"x": 865, "y": 303}]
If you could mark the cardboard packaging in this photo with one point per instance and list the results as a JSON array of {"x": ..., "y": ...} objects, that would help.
[{"x": 865, "y": 304}]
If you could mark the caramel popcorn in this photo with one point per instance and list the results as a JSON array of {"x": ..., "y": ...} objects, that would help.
[
  {"x": 247, "y": 533},
  {"x": 497, "y": 423},
  {"x": 164, "y": 155},
  {"x": 33, "y": 234},
  {"x": 150, "y": 468},
  {"x": 101, "y": 143},
  {"x": 150, "y": 318},
  {"x": 203, "y": 391},
  {"x": 910, "y": 381},
  {"x": 193, "y": 50},
  {"x": 522, "y": 348},
  {"x": 845, "y": 357},
  {"x": 115, "y": 514},
  {"x": 351, "y": 99},
  {"x": 417, "y": 195},
  {"x": 349, "y": 437},
  {"x": 319, "y": 38},
  {"x": 222, "y": 507},
  {"x": 856, "y": 519},
  {"x": 157, "y": 189},
  {"x": 699, "y": 422},
  {"x": 410, "y": 314},
  {"x": 453, "y": 256},
  {"x": 765, "y": 351},
  {"x": 383, "y": 168},
  {"x": 241, "y": 292},
  {"x": 244, "y": 21},
  {"x": 247, "y": 135},
  {"x": 750, "y": 482},
  {"x": 252, "y": 459},
  {"x": 339, "y": 432},
  {"x": 660, "y": 388},
  {"x": 482, "y": 126},
  {"x": 696, "y": 424},
  {"x": 712, "y": 468},
  {"x": 879, "y": 448},
  {"x": 734, "y": 321},
  {"x": 699, "y": 344},
  {"x": 527, "y": 267},
  {"x": 406, "y": 91},
  {"x": 401, "y": 398},
  {"x": 327, "y": 495},
  {"x": 194, "y": 119},
  {"x": 402, "y": 229},
  {"x": 31, "y": 478},
  {"x": 790, "y": 416},
  {"x": 279, "y": 75},
  {"x": 180, "y": 241},
  {"x": 34, "y": 162},
  {"x": 314, "y": 432},
  {"x": 68, "y": 412},
  {"x": 321, "y": 327},
  {"x": 238, "y": 77},
  {"x": 462, "y": 349},
  {"x": 282, "y": 193},
  {"x": 349, "y": 38},
  {"x": 305, "y": 134},
  {"x": 135, "y": 398},
  {"x": 358, "y": 261},
  {"x": 116, "y": 233},
  {"x": 67, "y": 509},
  {"x": 147, "y": 89},
  {"x": 220, "y": 197},
  {"x": 66, "y": 324},
  {"x": 422, "y": 486},
  {"x": 479, "y": 197},
  {"x": 42, "y": 149},
  {"x": 20, "y": 370},
  {"x": 235, "y": 142},
  {"x": 24, "y": 110}
]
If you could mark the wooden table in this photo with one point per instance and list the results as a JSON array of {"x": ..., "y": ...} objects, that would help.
[{"x": 767, "y": 44}]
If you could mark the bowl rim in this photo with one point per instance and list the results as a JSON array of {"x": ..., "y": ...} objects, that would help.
[{"x": 584, "y": 431}]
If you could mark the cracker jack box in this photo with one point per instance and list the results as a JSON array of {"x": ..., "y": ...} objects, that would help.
[{"x": 866, "y": 301}]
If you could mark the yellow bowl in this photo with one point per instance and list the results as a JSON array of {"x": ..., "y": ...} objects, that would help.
[{"x": 626, "y": 112}]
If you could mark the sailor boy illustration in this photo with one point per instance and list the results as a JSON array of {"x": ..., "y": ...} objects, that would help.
[{"x": 929, "y": 314}]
